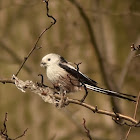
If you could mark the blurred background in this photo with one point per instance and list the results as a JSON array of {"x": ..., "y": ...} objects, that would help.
[{"x": 97, "y": 33}]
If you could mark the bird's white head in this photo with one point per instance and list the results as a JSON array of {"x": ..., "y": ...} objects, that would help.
[{"x": 50, "y": 59}]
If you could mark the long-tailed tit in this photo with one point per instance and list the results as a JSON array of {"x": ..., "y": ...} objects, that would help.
[{"x": 64, "y": 76}]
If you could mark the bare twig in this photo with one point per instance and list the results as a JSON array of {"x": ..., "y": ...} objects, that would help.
[
  {"x": 116, "y": 120},
  {"x": 4, "y": 132},
  {"x": 86, "y": 129},
  {"x": 135, "y": 112},
  {"x": 85, "y": 88},
  {"x": 21, "y": 135},
  {"x": 4, "y": 81},
  {"x": 104, "y": 112},
  {"x": 35, "y": 46},
  {"x": 77, "y": 66},
  {"x": 47, "y": 7},
  {"x": 125, "y": 70},
  {"x": 136, "y": 108}
]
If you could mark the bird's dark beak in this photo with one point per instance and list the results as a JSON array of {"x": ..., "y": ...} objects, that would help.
[{"x": 43, "y": 64}]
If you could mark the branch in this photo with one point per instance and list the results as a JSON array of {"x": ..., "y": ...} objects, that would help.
[
  {"x": 48, "y": 15},
  {"x": 104, "y": 112},
  {"x": 4, "y": 81},
  {"x": 49, "y": 95},
  {"x": 87, "y": 130},
  {"x": 135, "y": 112},
  {"x": 35, "y": 46},
  {"x": 4, "y": 131},
  {"x": 21, "y": 135}
]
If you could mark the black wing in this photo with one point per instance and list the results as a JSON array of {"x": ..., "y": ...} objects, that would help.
[
  {"x": 78, "y": 75},
  {"x": 63, "y": 60}
]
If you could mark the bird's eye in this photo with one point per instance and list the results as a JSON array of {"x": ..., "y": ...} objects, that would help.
[{"x": 49, "y": 59}]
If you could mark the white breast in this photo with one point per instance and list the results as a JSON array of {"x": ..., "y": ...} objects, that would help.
[{"x": 54, "y": 73}]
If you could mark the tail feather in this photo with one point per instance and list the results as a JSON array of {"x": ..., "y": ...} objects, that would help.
[{"x": 111, "y": 93}]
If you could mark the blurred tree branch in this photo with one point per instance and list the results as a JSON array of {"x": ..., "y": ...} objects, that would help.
[
  {"x": 35, "y": 46},
  {"x": 107, "y": 12},
  {"x": 135, "y": 112},
  {"x": 12, "y": 53},
  {"x": 127, "y": 63},
  {"x": 104, "y": 68}
]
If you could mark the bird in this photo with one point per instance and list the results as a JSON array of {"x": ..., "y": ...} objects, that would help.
[{"x": 69, "y": 79}]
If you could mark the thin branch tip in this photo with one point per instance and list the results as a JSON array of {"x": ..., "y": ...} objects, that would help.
[{"x": 39, "y": 37}]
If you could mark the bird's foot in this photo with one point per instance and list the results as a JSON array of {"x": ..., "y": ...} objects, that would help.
[{"x": 41, "y": 84}]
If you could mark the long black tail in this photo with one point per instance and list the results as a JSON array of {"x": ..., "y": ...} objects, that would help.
[{"x": 111, "y": 93}]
